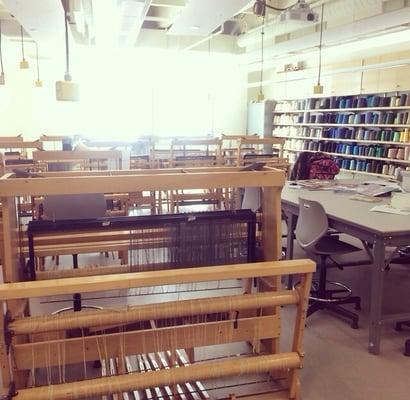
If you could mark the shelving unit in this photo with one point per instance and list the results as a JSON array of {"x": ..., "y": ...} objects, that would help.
[
  {"x": 347, "y": 140},
  {"x": 407, "y": 162},
  {"x": 402, "y": 108},
  {"x": 320, "y": 125},
  {"x": 388, "y": 122}
]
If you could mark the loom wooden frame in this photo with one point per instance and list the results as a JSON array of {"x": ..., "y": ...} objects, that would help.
[
  {"x": 76, "y": 182},
  {"x": 270, "y": 180},
  {"x": 143, "y": 341}
]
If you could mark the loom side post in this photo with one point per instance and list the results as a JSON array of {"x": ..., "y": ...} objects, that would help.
[{"x": 300, "y": 322}]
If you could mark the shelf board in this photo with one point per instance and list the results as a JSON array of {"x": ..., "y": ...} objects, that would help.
[
  {"x": 346, "y": 125},
  {"x": 368, "y": 173},
  {"x": 346, "y": 140},
  {"x": 389, "y": 160},
  {"x": 398, "y": 108}
]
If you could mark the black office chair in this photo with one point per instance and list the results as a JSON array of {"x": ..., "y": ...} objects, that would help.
[
  {"x": 312, "y": 234},
  {"x": 399, "y": 328}
]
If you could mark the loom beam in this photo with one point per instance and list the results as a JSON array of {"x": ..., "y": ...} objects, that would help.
[
  {"x": 181, "y": 308},
  {"x": 166, "y": 377}
]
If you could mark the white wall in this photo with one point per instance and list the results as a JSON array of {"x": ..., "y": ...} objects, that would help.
[
  {"x": 289, "y": 86},
  {"x": 128, "y": 94}
]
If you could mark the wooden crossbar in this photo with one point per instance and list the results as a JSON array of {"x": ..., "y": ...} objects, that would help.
[
  {"x": 59, "y": 155},
  {"x": 140, "y": 182},
  {"x": 89, "y": 348},
  {"x": 21, "y": 290}
]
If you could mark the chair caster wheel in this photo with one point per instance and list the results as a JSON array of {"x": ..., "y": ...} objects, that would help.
[
  {"x": 354, "y": 325},
  {"x": 407, "y": 348}
]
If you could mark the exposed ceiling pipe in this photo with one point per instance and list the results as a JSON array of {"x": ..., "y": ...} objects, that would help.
[
  {"x": 135, "y": 27},
  {"x": 196, "y": 44},
  {"x": 333, "y": 9},
  {"x": 165, "y": 5},
  {"x": 394, "y": 20}
]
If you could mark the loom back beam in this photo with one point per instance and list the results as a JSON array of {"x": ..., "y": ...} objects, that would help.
[
  {"x": 86, "y": 319},
  {"x": 166, "y": 377}
]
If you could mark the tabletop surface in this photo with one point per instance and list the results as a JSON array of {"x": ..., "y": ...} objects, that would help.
[{"x": 338, "y": 206}]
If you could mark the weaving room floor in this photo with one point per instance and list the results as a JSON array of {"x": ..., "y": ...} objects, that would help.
[{"x": 337, "y": 364}]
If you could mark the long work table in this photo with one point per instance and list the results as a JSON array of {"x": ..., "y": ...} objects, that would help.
[{"x": 377, "y": 230}]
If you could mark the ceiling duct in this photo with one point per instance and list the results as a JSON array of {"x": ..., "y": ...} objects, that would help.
[
  {"x": 333, "y": 10},
  {"x": 201, "y": 18},
  {"x": 365, "y": 28}
]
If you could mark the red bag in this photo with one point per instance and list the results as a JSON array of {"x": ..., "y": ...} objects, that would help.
[{"x": 323, "y": 167}]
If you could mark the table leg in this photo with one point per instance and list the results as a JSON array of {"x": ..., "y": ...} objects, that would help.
[
  {"x": 376, "y": 297},
  {"x": 289, "y": 242}
]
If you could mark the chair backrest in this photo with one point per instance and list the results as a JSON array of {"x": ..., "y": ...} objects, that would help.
[
  {"x": 312, "y": 223},
  {"x": 74, "y": 206}
]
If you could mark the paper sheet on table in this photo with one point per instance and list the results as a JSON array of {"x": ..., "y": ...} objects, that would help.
[{"x": 385, "y": 208}]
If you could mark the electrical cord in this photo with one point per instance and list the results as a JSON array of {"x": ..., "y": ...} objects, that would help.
[
  {"x": 22, "y": 42},
  {"x": 38, "y": 67},
  {"x": 320, "y": 46},
  {"x": 1, "y": 51},
  {"x": 67, "y": 75},
  {"x": 259, "y": 8},
  {"x": 262, "y": 57}
]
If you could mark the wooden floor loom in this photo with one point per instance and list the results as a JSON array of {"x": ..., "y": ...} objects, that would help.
[
  {"x": 142, "y": 345},
  {"x": 163, "y": 335}
]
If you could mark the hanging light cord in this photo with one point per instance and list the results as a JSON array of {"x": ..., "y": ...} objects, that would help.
[
  {"x": 67, "y": 76},
  {"x": 262, "y": 3},
  {"x": 22, "y": 42},
  {"x": 38, "y": 67},
  {"x": 320, "y": 45},
  {"x": 1, "y": 51},
  {"x": 262, "y": 55}
]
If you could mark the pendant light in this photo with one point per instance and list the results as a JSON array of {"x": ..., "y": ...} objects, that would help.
[
  {"x": 261, "y": 96},
  {"x": 318, "y": 89},
  {"x": 39, "y": 82},
  {"x": 67, "y": 90},
  {"x": 2, "y": 81},
  {"x": 23, "y": 62}
]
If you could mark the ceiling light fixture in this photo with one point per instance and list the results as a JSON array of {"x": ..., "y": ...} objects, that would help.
[
  {"x": 195, "y": 27},
  {"x": 39, "y": 82},
  {"x": 318, "y": 89},
  {"x": 23, "y": 62},
  {"x": 67, "y": 90},
  {"x": 2, "y": 81}
]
